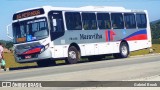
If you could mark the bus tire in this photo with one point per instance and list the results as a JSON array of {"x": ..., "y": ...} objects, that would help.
[
  {"x": 73, "y": 55},
  {"x": 124, "y": 50}
]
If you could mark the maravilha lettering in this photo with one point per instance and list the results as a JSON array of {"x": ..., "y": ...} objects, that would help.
[{"x": 94, "y": 36}]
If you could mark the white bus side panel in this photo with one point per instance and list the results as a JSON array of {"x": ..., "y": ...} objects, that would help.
[
  {"x": 60, "y": 51},
  {"x": 139, "y": 44},
  {"x": 99, "y": 48}
]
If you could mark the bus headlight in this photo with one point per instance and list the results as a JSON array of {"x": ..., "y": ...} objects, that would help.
[
  {"x": 42, "y": 49},
  {"x": 46, "y": 46}
]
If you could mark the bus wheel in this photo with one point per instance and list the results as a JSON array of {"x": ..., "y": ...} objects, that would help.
[
  {"x": 124, "y": 50},
  {"x": 73, "y": 55}
]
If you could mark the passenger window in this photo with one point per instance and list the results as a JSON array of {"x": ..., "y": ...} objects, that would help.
[
  {"x": 117, "y": 21},
  {"x": 73, "y": 21},
  {"x": 141, "y": 20},
  {"x": 129, "y": 19},
  {"x": 103, "y": 21},
  {"x": 89, "y": 21}
]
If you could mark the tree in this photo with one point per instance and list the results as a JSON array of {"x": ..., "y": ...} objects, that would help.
[
  {"x": 155, "y": 30},
  {"x": 9, "y": 45}
]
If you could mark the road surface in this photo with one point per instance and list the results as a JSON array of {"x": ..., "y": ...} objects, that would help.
[
  {"x": 128, "y": 69},
  {"x": 107, "y": 70}
]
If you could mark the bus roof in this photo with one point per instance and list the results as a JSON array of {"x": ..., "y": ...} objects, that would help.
[
  {"x": 85, "y": 8},
  {"x": 45, "y": 9}
]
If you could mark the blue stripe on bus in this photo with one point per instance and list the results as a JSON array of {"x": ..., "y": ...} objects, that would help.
[{"x": 137, "y": 33}]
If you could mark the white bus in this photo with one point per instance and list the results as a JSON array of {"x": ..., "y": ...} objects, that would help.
[{"x": 47, "y": 33}]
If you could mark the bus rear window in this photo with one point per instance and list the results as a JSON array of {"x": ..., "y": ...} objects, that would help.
[{"x": 141, "y": 20}]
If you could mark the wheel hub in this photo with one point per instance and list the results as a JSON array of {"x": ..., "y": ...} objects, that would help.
[
  {"x": 124, "y": 50},
  {"x": 72, "y": 54}
]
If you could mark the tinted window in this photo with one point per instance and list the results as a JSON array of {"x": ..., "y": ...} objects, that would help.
[
  {"x": 56, "y": 21},
  {"x": 30, "y": 30},
  {"x": 141, "y": 20},
  {"x": 117, "y": 20},
  {"x": 129, "y": 20},
  {"x": 89, "y": 21},
  {"x": 73, "y": 21},
  {"x": 103, "y": 21}
]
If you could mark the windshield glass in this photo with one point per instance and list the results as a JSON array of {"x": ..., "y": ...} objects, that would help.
[{"x": 30, "y": 30}]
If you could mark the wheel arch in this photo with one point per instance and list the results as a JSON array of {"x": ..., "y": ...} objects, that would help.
[
  {"x": 71, "y": 47},
  {"x": 76, "y": 46},
  {"x": 126, "y": 43}
]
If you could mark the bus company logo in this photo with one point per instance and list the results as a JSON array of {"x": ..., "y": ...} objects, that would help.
[
  {"x": 94, "y": 36},
  {"x": 110, "y": 34},
  {"x": 6, "y": 84}
]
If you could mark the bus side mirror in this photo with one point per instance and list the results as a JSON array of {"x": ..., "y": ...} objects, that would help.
[
  {"x": 8, "y": 35},
  {"x": 54, "y": 22}
]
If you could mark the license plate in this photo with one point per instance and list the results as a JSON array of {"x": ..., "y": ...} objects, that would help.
[{"x": 28, "y": 57}]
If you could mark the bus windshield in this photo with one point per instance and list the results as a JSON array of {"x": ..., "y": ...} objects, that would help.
[{"x": 30, "y": 30}]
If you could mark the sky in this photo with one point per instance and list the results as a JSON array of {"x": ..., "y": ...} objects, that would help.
[{"x": 9, "y": 7}]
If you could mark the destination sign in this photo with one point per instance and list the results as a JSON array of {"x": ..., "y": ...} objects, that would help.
[
  {"x": 29, "y": 13},
  {"x": 23, "y": 39}
]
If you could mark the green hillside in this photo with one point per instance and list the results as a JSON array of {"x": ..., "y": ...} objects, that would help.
[
  {"x": 7, "y": 44},
  {"x": 155, "y": 30}
]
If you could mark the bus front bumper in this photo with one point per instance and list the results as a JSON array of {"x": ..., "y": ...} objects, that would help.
[{"x": 33, "y": 57}]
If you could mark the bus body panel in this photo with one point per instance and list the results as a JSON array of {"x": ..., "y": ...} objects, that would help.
[
  {"x": 89, "y": 47},
  {"x": 90, "y": 42}
]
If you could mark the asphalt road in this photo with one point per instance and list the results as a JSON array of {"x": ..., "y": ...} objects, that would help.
[{"x": 112, "y": 70}]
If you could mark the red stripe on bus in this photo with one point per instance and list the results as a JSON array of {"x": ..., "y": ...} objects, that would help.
[
  {"x": 35, "y": 50},
  {"x": 138, "y": 37}
]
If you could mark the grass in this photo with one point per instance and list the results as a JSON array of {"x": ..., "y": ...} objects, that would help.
[
  {"x": 10, "y": 61},
  {"x": 155, "y": 47}
]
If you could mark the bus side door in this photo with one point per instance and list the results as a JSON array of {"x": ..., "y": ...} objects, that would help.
[{"x": 57, "y": 24}]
